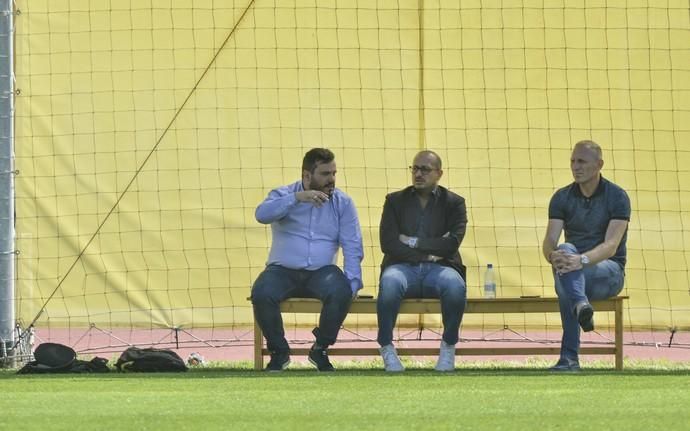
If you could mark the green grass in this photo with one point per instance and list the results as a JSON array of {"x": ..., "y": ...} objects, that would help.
[{"x": 493, "y": 396}]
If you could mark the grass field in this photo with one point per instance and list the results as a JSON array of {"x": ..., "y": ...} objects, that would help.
[{"x": 492, "y": 396}]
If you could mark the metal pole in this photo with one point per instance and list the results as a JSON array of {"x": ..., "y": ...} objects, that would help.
[{"x": 7, "y": 250}]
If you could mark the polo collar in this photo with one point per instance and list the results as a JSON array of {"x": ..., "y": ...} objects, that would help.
[{"x": 599, "y": 190}]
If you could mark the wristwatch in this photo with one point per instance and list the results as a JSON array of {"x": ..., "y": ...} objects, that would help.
[
  {"x": 584, "y": 260},
  {"x": 412, "y": 242}
]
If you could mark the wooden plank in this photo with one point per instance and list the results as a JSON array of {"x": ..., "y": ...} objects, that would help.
[
  {"x": 460, "y": 351},
  {"x": 474, "y": 305}
]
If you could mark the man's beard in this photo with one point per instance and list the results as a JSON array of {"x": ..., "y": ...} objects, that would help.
[{"x": 327, "y": 188}]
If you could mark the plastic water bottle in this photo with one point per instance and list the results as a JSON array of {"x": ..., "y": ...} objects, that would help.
[{"x": 489, "y": 282}]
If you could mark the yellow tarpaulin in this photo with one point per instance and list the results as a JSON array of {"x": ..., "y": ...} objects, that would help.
[{"x": 147, "y": 132}]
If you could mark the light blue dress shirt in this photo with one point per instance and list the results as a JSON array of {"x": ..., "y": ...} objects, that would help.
[{"x": 307, "y": 237}]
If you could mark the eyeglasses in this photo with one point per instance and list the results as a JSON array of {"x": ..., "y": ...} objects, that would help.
[{"x": 425, "y": 170}]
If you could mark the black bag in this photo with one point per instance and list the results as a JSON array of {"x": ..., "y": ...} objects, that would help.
[
  {"x": 150, "y": 360},
  {"x": 58, "y": 358}
]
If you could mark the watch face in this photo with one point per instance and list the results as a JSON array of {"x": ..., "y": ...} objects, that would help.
[{"x": 584, "y": 259}]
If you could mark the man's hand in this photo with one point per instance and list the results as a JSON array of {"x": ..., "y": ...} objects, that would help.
[
  {"x": 404, "y": 239},
  {"x": 355, "y": 286},
  {"x": 565, "y": 262},
  {"x": 433, "y": 258},
  {"x": 314, "y": 197}
]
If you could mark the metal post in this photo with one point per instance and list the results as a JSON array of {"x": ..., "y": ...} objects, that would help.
[{"x": 7, "y": 250}]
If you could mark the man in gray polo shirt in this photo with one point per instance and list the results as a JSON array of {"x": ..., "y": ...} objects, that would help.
[{"x": 594, "y": 213}]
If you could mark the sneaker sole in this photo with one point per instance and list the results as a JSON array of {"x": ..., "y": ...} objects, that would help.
[
  {"x": 585, "y": 319},
  {"x": 282, "y": 367},
  {"x": 311, "y": 361}
]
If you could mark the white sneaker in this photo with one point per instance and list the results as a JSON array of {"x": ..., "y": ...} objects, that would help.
[
  {"x": 446, "y": 357},
  {"x": 391, "y": 362}
]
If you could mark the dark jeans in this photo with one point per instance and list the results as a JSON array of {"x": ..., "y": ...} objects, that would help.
[{"x": 277, "y": 283}]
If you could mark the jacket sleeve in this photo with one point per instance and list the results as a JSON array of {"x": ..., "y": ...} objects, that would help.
[
  {"x": 389, "y": 232},
  {"x": 456, "y": 225}
]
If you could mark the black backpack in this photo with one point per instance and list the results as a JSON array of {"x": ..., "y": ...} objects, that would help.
[
  {"x": 150, "y": 360},
  {"x": 58, "y": 358}
]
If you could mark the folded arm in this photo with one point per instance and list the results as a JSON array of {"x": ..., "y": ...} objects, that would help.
[
  {"x": 276, "y": 205},
  {"x": 279, "y": 202},
  {"x": 447, "y": 245},
  {"x": 565, "y": 262},
  {"x": 389, "y": 236}
]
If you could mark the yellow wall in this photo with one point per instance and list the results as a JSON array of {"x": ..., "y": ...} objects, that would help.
[{"x": 148, "y": 131}]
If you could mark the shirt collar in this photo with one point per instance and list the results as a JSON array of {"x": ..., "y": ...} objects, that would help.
[
  {"x": 599, "y": 190},
  {"x": 434, "y": 192}
]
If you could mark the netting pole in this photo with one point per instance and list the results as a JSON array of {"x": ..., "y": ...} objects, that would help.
[
  {"x": 7, "y": 253},
  {"x": 420, "y": 107}
]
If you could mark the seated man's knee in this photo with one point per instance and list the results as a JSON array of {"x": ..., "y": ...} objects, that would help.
[
  {"x": 451, "y": 283},
  {"x": 262, "y": 295},
  {"x": 266, "y": 290},
  {"x": 337, "y": 284},
  {"x": 568, "y": 247},
  {"x": 392, "y": 284},
  {"x": 342, "y": 291}
]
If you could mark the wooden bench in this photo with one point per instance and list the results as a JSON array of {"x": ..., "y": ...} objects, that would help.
[{"x": 474, "y": 305}]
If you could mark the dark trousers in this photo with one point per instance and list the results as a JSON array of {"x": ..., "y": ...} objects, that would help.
[{"x": 276, "y": 283}]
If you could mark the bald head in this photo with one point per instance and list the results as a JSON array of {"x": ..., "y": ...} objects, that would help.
[
  {"x": 430, "y": 156},
  {"x": 590, "y": 146}
]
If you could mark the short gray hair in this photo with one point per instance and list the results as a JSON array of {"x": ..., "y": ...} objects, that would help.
[{"x": 592, "y": 146}]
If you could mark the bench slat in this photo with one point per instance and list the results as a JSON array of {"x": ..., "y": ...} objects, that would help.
[
  {"x": 433, "y": 306},
  {"x": 462, "y": 351}
]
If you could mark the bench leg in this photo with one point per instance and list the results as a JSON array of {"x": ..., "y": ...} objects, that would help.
[
  {"x": 619, "y": 335},
  {"x": 258, "y": 347}
]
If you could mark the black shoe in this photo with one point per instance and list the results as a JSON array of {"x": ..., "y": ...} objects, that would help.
[
  {"x": 279, "y": 361},
  {"x": 319, "y": 357},
  {"x": 585, "y": 316},
  {"x": 566, "y": 365}
]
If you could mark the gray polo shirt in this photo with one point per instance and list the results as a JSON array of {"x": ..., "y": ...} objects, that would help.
[{"x": 585, "y": 219}]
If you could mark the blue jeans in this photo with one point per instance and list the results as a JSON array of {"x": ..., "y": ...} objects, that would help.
[
  {"x": 276, "y": 283},
  {"x": 424, "y": 280},
  {"x": 600, "y": 281}
]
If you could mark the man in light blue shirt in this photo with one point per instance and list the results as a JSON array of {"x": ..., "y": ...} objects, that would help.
[{"x": 310, "y": 220}]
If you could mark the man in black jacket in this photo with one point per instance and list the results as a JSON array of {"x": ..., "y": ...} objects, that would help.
[{"x": 421, "y": 229}]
